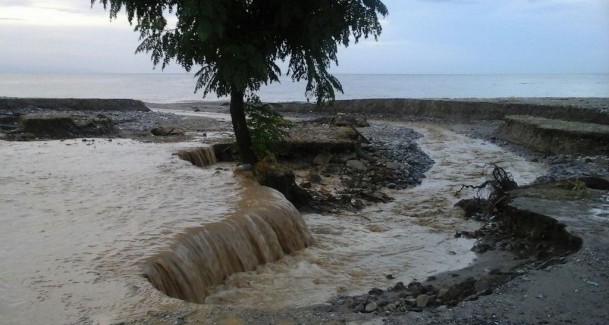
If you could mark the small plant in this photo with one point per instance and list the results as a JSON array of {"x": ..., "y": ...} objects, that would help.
[{"x": 267, "y": 127}]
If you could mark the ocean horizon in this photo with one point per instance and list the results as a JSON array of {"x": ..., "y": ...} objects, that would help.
[{"x": 179, "y": 87}]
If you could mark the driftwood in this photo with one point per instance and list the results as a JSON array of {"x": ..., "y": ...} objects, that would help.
[{"x": 499, "y": 184}]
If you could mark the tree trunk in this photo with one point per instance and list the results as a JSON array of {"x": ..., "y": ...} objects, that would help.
[{"x": 242, "y": 134}]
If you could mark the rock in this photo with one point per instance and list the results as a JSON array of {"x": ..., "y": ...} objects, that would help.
[
  {"x": 375, "y": 292},
  {"x": 342, "y": 119},
  {"x": 314, "y": 178},
  {"x": 361, "y": 121},
  {"x": 360, "y": 307},
  {"x": 398, "y": 287},
  {"x": 278, "y": 177},
  {"x": 358, "y": 204},
  {"x": 415, "y": 287},
  {"x": 165, "y": 131},
  {"x": 377, "y": 197},
  {"x": 422, "y": 300},
  {"x": 225, "y": 151},
  {"x": 393, "y": 307},
  {"x": 391, "y": 185},
  {"x": 410, "y": 301},
  {"x": 349, "y": 156},
  {"x": 392, "y": 165},
  {"x": 480, "y": 247},
  {"x": 370, "y": 307},
  {"x": 322, "y": 159},
  {"x": 442, "y": 308},
  {"x": 357, "y": 165},
  {"x": 442, "y": 293},
  {"x": 483, "y": 285}
]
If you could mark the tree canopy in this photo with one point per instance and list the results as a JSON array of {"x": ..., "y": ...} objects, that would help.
[{"x": 234, "y": 45}]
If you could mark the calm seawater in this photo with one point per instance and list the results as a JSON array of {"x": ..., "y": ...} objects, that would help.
[{"x": 167, "y": 88}]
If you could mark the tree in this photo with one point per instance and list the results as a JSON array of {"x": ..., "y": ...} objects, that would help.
[{"x": 235, "y": 44}]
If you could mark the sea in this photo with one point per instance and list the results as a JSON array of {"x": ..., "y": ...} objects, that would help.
[{"x": 171, "y": 88}]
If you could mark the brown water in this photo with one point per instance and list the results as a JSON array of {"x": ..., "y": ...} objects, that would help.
[
  {"x": 80, "y": 219},
  {"x": 201, "y": 157},
  {"x": 265, "y": 228},
  {"x": 80, "y": 222},
  {"x": 411, "y": 238}
]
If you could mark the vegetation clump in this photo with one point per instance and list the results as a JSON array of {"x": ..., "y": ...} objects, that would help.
[{"x": 267, "y": 127}]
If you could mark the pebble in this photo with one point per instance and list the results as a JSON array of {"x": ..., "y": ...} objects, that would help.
[
  {"x": 370, "y": 307},
  {"x": 422, "y": 300}
]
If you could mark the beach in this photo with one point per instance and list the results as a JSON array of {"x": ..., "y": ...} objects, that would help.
[{"x": 410, "y": 239}]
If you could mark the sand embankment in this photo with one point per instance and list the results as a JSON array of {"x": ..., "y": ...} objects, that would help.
[
  {"x": 73, "y": 104},
  {"x": 594, "y": 110}
]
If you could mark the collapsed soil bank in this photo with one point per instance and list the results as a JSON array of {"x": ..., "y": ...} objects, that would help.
[{"x": 556, "y": 136}]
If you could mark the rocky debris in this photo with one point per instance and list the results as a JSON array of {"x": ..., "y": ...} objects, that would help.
[
  {"x": 417, "y": 296},
  {"x": 573, "y": 167},
  {"x": 538, "y": 241},
  {"x": 389, "y": 160},
  {"x": 128, "y": 123}
]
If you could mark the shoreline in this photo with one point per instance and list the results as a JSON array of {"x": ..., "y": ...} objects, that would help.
[{"x": 485, "y": 307}]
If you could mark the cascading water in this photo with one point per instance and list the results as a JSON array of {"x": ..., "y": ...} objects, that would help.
[
  {"x": 265, "y": 229},
  {"x": 201, "y": 157},
  {"x": 82, "y": 220}
]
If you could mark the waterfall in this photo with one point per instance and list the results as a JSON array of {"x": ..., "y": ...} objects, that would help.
[
  {"x": 266, "y": 228},
  {"x": 203, "y": 156}
]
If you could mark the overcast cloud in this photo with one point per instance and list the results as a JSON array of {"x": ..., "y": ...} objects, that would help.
[{"x": 420, "y": 36}]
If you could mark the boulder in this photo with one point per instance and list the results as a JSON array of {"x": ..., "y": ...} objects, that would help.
[{"x": 357, "y": 165}]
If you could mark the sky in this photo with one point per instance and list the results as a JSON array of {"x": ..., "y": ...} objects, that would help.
[{"x": 419, "y": 37}]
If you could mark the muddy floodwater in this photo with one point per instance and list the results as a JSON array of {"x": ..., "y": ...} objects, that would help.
[{"x": 80, "y": 220}]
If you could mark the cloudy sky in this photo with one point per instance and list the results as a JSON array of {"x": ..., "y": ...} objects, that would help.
[{"x": 420, "y": 36}]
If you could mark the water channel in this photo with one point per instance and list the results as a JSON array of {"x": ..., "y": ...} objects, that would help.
[{"x": 81, "y": 220}]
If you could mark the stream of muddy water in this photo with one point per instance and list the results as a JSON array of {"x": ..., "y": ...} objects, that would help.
[{"x": 82, "y": 219}]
